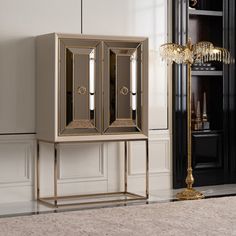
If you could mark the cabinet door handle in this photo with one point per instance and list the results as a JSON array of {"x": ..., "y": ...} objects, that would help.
[
  {"x": 81, "y": 90},
  {"x": 124, "y": 91}
]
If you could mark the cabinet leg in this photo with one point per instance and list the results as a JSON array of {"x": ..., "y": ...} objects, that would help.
[
  {"x": 147, "y": 169},
  {"x": 126, "y": 169},
  {"x": 55, "y": 173},
  {"x": 37, "y": 171}
]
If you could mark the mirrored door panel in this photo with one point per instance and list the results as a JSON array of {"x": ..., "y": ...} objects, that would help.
[
  {"x": 79, "y": 86},
  {"x": 122, "y": 87}
]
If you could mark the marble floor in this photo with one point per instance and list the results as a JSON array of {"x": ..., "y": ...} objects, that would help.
[
  {"x": 33, "y": 207},
  {"x": 208, "y": 191}
]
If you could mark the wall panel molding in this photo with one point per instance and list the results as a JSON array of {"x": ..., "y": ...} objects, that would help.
[
  {"x": 17, "y": 158},
  {"x": 8, "y": 174},
  {"x": 17, "y": 153},
  {"x": 160, "y": 162},
  {"x": 159, "y": 155},
  {"x": 88, "y": 162}
]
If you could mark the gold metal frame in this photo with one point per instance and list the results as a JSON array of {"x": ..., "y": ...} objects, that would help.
[
  {"x": 189, "y": 193},
  {"x": 128, "y": 196}
]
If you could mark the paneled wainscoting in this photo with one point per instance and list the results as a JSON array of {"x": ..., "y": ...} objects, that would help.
[
  {"x": 83, "y": 168},
  {"x": 17, "y": 154}
]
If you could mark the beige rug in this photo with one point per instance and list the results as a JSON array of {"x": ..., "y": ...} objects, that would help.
[{"x": 202, "y": 217}]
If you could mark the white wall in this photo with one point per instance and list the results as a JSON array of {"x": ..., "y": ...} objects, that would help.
[
  {"x": 83, "y": 168},
  {"x": 141, "y": 18},
  {"x": 20, "y": 22},
  {"x": 136, "y": 18}
]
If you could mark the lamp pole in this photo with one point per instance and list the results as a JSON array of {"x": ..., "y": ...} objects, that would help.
[
  {"x": 189, "y": 193},
  {"x": 189, "y": 179}
]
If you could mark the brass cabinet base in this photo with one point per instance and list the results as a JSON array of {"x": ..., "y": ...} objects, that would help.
[
  {"x": 98, "y": 198},
  {"x": 189, "y": 194}
]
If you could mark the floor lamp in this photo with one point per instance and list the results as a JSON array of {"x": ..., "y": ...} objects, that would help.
[{"x": 200, "y": 52}]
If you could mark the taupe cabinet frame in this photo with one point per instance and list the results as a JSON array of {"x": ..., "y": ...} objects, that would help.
[{"x": 91, "y": 88}]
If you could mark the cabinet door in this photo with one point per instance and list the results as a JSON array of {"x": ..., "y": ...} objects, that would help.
[
  {"x": 136, "y": 18},
  {"x": 124, "y": 74},
  {"x": 79, "y": 86}
]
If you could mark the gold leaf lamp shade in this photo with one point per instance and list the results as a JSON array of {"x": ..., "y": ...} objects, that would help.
[{"x": 203, "y": 51}]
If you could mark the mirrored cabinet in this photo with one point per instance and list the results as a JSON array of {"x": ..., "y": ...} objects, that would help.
[{"x": 91, "y": 87}]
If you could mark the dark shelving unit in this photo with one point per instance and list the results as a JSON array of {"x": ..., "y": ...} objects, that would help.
[{"x": 213, "y": 149}]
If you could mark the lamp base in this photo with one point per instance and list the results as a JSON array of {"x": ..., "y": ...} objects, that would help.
[{"x": 189, "y": 194}]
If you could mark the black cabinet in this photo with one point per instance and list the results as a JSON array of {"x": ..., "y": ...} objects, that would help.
[
  {"x": 207, "y": 150},
  {"x": 213, "y": 146}
]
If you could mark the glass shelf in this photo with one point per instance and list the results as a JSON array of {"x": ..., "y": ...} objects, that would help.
[
  {"x": 205, "y": 12},
  {"x": 207, "y": 131},
  {"x": 207, "y": 73}
]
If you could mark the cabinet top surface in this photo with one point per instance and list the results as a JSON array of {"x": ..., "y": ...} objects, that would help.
[{"x": 97, "y": 37}]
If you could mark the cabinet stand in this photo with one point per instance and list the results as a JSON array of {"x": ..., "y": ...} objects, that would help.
[{"x": 123, "y": 196}]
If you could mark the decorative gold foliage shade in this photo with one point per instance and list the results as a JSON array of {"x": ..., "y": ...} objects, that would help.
[{"x": 200, "y": 52}]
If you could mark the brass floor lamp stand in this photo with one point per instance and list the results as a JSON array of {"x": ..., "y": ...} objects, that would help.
[
  {"x": 202, "y": 52},
  {"x": 189, "y": 193}
]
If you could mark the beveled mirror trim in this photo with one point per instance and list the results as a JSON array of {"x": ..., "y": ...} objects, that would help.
[
  {"x": 128, "y": 115},
  {"x": 123, "y": 98},
  {"x": 81, "y": 115}
]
